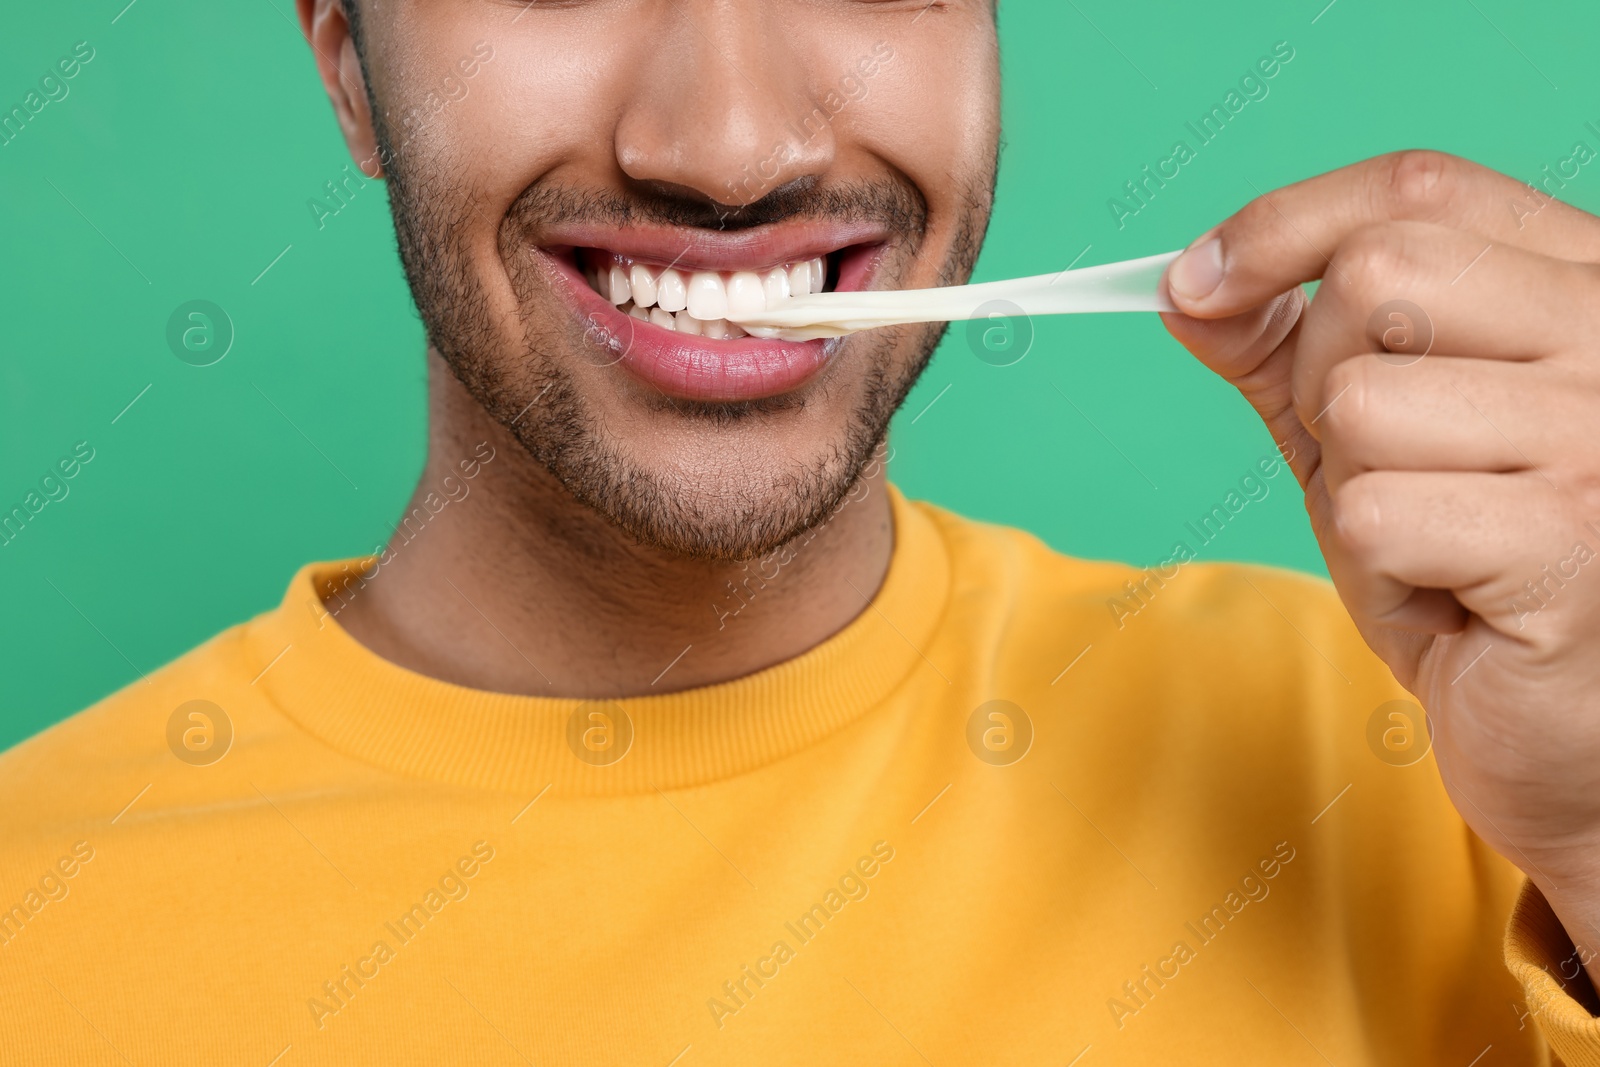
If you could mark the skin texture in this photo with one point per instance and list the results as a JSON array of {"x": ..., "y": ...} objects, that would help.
[
  {"x": 1439, "y": 486},
  {"x": 600, "y": 548},
  {"x": 600, "y": 544}
]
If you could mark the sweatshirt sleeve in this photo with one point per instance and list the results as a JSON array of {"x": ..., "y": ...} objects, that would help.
[{"x": 1560, "y": 998}]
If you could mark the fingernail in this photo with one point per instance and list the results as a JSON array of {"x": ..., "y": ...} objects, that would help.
[{"x": 1197, "y": 273}]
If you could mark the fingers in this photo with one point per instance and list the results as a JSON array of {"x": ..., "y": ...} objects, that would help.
[
  {"x": 1417, "y": 288},
  {"x": 1443, "y": 414},
  {"x": 1456, "y": 479},
  {"x": 1237, "y": 346},
  {"x": 1288, "y": 237},
  {"x": 1484, "y": 537}
]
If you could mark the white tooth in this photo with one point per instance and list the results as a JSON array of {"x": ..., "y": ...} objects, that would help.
[
  {"x": 620, "y": 291},
  {"x": 719, "y": 330},
  {"x": 765, "y": 332},
  {"x": 708, "y": 297},
  {"x": 687, "y": 323},
  {"x": 661, "y": 318},
  {"x": 746, "y": 294},
  {"x": 735, "y": 331},
  {"x": 639, "y": 313},
  {"x": 800, "y": 279},
  {"x": 819, "y": 274},
  {"x": 776, "y": 285},
  {"x": 643, "y": 284},
  {"x": 672, "y": 293}
]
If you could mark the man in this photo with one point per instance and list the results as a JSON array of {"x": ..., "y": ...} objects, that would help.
[{"x": 666, "y": 732}]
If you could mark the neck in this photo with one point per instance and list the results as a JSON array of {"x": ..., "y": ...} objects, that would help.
[{"x": 500, "y": 579}]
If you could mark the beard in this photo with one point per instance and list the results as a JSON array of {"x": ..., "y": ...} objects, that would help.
[{"x": 524, "y": 376}]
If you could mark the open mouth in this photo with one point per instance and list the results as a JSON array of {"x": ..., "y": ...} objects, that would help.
[
  {"x": 698, "y": 303},
  {"x": 656, "y": 301}
]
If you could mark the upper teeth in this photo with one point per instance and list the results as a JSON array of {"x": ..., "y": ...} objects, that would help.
[{"x": 699, "y": 302}]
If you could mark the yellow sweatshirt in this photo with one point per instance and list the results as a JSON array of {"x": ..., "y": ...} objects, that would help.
[{"x": 1018, "y": 812}]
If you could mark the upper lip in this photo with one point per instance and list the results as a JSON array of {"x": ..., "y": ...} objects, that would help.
[{"x": 691, "y": 248}]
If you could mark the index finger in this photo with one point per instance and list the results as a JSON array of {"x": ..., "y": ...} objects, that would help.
[{"x": 1288, "y": 237}]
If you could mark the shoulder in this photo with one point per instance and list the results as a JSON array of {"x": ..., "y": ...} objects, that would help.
[{"x": 81, "y": 772}]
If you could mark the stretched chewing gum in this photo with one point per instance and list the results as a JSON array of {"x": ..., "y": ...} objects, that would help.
[{"x": 1132, "y": 285}]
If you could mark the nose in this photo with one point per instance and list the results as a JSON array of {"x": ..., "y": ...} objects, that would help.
[{"x": 721, "y": 108}]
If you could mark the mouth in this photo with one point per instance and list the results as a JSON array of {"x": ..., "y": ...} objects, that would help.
[
  {"x": 655, "y": 302},
  {"x": 698, "y": 303}
]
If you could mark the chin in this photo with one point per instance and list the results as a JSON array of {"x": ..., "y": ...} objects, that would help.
[{"x": 714, "y": 480}]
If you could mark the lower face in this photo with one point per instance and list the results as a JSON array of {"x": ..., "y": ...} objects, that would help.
[{"x": 580, "y": 215}]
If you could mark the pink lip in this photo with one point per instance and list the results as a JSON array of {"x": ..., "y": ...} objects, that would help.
[{"x": 698, "y": 368}]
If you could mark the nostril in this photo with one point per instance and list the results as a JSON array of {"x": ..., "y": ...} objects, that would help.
[
  {"x": 740, "y": 205},
  {"x": 688, "y": 206}
]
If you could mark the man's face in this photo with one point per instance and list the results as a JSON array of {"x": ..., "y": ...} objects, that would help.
[{"x": 567, "y": 175}]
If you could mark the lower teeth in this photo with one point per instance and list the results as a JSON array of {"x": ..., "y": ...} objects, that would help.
[{"x": 683, "y": 322}]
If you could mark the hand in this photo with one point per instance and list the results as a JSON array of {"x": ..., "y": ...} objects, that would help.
[{"x": 1449, "y": 449}]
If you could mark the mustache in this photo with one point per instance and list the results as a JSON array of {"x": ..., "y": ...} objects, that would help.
[{"x": 895, "y": 204}]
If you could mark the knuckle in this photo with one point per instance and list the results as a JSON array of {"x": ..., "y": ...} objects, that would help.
[
  {"x": 1358, "y": 513},
  {"x": 1372, "y": 252},
  {"x": 1419, "y": 182},
  {"x": 1257, "y": 216},
  {"x": 1381, "y": 262},
  {"x": 1347, "y": 400},
  {"x": 1584, "y": 481}
]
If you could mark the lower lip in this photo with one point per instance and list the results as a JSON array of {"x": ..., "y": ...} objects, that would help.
[{"x": 687, "y": 367}]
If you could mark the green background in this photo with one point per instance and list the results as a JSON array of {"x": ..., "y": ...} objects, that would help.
[{"x": 179, "y": 167}]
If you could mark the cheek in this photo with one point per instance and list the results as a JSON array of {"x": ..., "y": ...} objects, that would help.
[
  {"x": 932, "y": 113},
  {"x": 534, "y": 111},
  {"x": 538, "y": 102},
  {"x": 544, "y": 109},
  {"x": 541, "y": 102}
]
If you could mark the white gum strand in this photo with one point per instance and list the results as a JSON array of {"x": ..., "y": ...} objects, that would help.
[{"x": 1131, "y": 285}]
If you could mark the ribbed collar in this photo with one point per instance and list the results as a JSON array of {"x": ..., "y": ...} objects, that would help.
[{"x": 410, "y": 724}]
